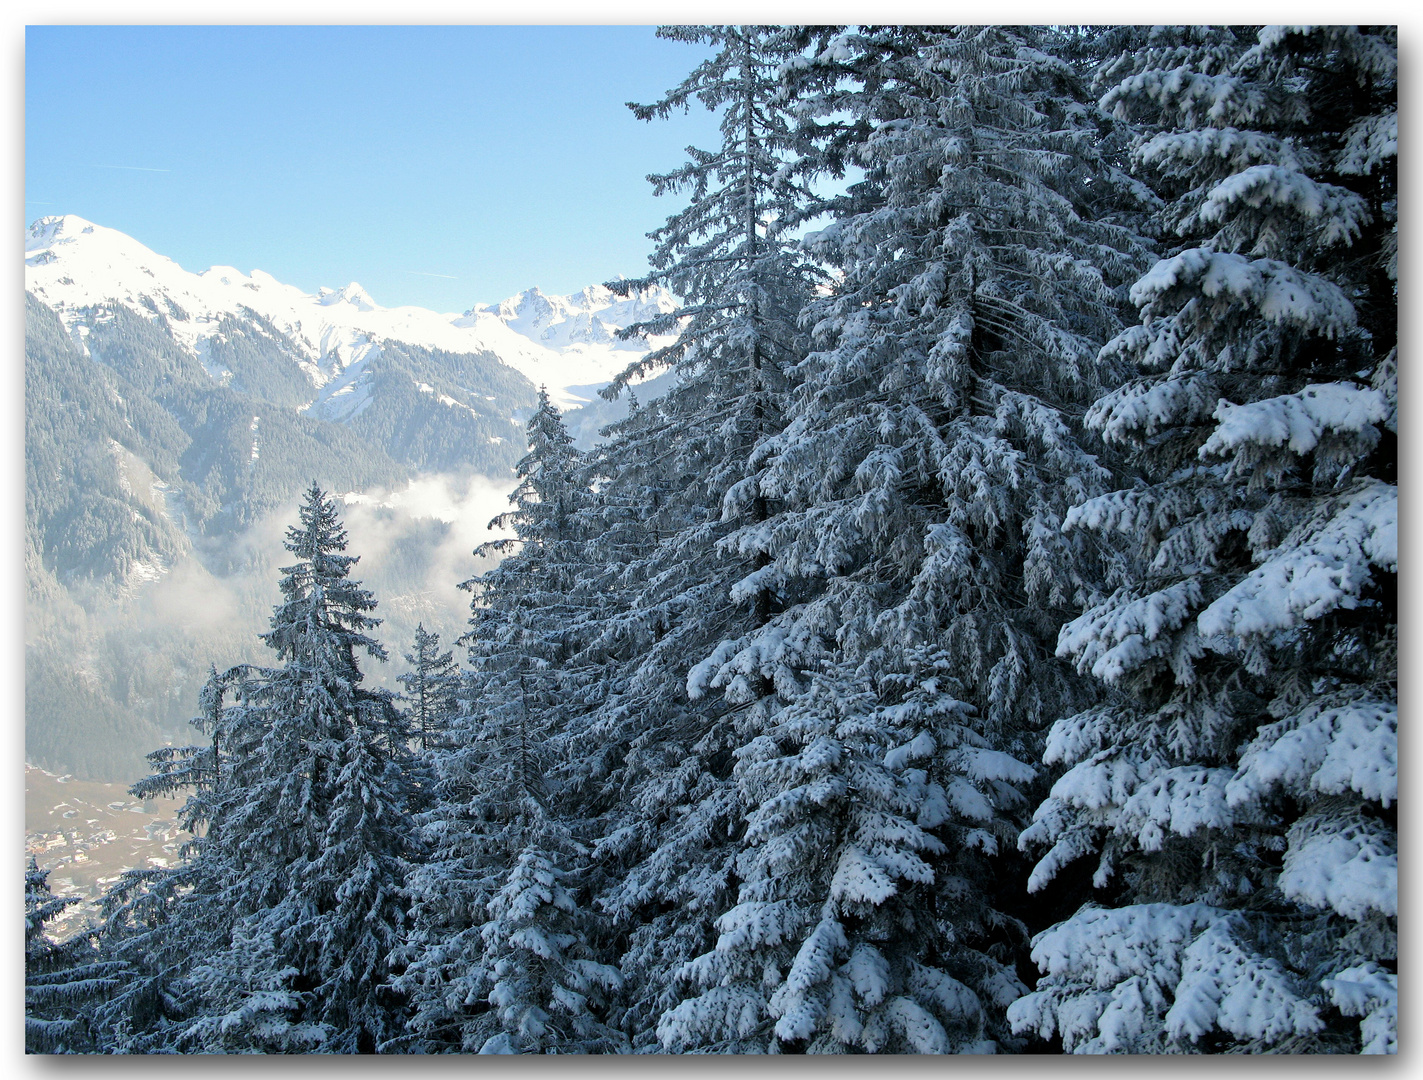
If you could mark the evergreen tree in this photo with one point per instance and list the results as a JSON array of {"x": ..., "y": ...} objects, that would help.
[
  {"x": 739, "y": 762},
  {"x": 674, "y": 480},
  {"x": 62, "y": 978},
  {"x": 920, "y": 485},
  {"x": 159, "y": 922},
  {"x": 499, "y": 775},
  {"x": 548, "y": 992},
  {"x": 837, "y": 941},
  {"x": 305, "y": 833},
  {"x": 530, "y": 613},
  {"x": 1237, "y": 789},
  {"x": 431, "y": 687}
]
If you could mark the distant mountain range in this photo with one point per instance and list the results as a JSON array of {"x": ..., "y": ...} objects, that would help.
[
  {"x": 561, "y": 341},
  {"x": 169, "y": 414},
  {"x": 250, "y": 371}
]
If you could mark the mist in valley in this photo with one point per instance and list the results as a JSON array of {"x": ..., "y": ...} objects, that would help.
[{"x": 114, "y": 673}]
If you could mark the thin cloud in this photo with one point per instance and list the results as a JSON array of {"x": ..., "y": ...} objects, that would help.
[
  {"x": 133, "y": 168},
  {"x": 422, "y": 273}
]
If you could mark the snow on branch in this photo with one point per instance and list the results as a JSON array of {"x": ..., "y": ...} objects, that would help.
[
  {"x": 1278, "y": 292},
  {"x": 1181, "y": 801},
  {"x": 1121, "y": 634},
  {"x": 1148, "y": 406},
  {"x": 1176, "y": 153},
  {"x": 1296, "y": 420},
  {"x": 1128, "y": 979},
  {"x": 1319, "y": 568},
  {"x": 1225, "y": 986},
  {"x": 1324, "y": 749},
  {"x": 1341, "y": 857},
  {"x": 1341, "y": 213},
  {"x": 1367, "y": 990},
  {"x": 1369, "y": 143}
]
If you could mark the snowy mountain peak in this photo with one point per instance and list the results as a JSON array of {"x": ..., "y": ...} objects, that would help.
[
  {"x": 105, "y": 253},
  {"x": 54, "y": 228},
  {"x": 568, "y": 343},
  {"x": 352, "y": 294},
  {"x": 591, "y": 316}
]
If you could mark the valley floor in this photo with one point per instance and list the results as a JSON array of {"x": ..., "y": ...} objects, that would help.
[{"x": 88, "y": 833}]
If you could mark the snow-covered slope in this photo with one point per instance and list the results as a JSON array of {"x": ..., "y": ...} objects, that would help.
[{"x": 566, "y": 343}]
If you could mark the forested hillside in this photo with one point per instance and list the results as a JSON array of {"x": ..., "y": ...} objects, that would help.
[{"x": 986, "y": 642}]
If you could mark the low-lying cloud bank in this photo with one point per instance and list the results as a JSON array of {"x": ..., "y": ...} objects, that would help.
[{"x": 119, "y": 674}]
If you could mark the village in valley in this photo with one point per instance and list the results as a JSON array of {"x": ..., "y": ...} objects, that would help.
[{"x": 87, "y": 834}]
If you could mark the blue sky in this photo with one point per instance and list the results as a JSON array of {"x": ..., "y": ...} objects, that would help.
[{"x": 439, "y": 166}]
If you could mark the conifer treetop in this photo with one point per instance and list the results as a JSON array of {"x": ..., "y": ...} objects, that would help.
[{"x": 323, "y": 606}]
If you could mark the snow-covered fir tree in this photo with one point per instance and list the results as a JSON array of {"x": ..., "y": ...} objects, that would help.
[
  {"x": 305, "y": 836},
  {"x": 674, "y": 480},
  {"x": 920, "y": 485},
  {"x": 495, "y": 834},
  {"x": 159, "y": 922},
  {"x": 431, "y": 687},
  {"x": 62, "y": 978},
  {"x": 1235, "y": 796},
  {"x": 548, "y": 992},
  {"x": 836, "y": 942},
  {"x": 980, "y": 555},
  {"x": 534, "y": 612}
]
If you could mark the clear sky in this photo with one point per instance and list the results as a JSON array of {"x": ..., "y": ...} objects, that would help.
[{"x": 438, "y": 166}]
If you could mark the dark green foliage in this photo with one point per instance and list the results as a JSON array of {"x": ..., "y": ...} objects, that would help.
[{"x": 675, "y": 480}]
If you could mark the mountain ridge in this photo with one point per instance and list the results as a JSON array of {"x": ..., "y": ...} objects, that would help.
[{"x": 566, "y": 343}]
